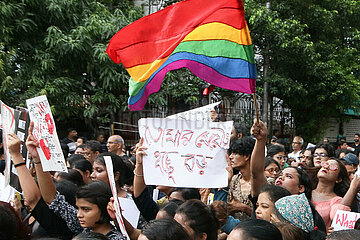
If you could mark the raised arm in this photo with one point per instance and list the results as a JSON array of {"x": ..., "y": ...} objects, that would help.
[
  {"x": 27, "y": 183},
  {"x": 257, "y": 163},
  {"x": 352, "y": 192},
  {"x": 46, "y": 184},
  {"x": 139, "y": 183}
]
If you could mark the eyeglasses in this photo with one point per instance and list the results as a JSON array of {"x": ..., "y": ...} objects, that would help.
[
  {"x": 332, "y": 167},
  {"x": 296, "y": 143},
  {"x": 281, "y": 157},
  {"x": 320, "y": 155},
  {"x": 272, "y": 170},
  {"x": 112, "y": 142}
]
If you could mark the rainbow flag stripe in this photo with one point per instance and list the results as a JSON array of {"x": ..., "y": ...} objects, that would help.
[{"x": 213, "y": 43}]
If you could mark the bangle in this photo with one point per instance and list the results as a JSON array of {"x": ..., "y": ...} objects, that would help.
[
  {"x": 37, "y": 162},
  {"x": 136, "y": 175},
  {"x": 19, "y": 164}
]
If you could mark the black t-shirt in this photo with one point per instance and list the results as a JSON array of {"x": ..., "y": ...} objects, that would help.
[
  {"x": 54, "y": 225},
  {"x": 146, "y": 205}
]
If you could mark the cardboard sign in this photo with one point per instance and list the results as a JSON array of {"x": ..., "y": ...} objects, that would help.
[
  {"x": 110, "y": 172},
  {"x": 344, "y": 220},
  {"x": 51, "y": 155},
  {"x": 197, "y": 114},
  {"x": 8, "y": 126},
  {"x": 185, "y": 153},
  {"x": 130, "y": 211}
]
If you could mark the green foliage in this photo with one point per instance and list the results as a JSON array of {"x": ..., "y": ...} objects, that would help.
[
  {"x": 57, "y": 48},
  {"x": 314, "y": 56}
]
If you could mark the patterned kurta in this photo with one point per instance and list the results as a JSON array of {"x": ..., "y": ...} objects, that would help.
[
  {"x": 241, "y": 195},
  {"x": 69, "y": 214}
]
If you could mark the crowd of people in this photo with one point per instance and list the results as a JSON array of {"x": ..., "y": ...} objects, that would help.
[{"x": 272, "y": 193}]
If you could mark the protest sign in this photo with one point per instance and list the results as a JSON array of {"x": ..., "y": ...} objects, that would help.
[
  {"x": 130, "y": 211},
  {"x": 344, "y": 220},
  {"x": 185, "y": 153},
  {"x": 197, "y": 114},
  {"x": 22, "y": 122},
  {"x": 8, "y": 126},
  {"x": 7, "y": 194},
  {"x": 51, "y": 155},
  {"x": 110, "y": 173},
  {"x": 15, "y": 121}
]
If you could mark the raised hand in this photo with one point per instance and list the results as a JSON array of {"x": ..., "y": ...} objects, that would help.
[
  {"x": 140, "y": 151},
  {"x": 31, "y": 142},
  {"x": 13, "y": 143},
  {"x": 229, "y": 169},
  {"x": 259, "y": 130},
  {"x": 355, "y": 183}
]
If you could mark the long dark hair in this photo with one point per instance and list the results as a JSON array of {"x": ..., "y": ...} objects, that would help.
[
  {"x": 126, "y": 175},
  {"x": 11, "y": 226},
  {"x": 274, "y": 149},
  {"x": 341, "y": 187},
  {"x": 304, "y": 180}
]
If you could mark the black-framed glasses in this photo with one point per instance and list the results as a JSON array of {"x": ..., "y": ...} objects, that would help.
[{"x": 320, "y": 155}]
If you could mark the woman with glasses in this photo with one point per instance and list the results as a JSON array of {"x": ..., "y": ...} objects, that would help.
[
  {"x": 323, "y": 152},
  {"x": 331, "y": 193},
  {"x": 271, "y": 170},
  {"x": 292, "y": 180},
  {"x": 277, "y": 153}
]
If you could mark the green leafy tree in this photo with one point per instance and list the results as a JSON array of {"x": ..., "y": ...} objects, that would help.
[
  {"x": 57, "y": 48},
  {"x": 313, "y": 49}
]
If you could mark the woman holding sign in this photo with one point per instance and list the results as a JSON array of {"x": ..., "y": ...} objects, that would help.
[
  {"x": 91, "y": 199},
  {"x": 332, "y": 192}
]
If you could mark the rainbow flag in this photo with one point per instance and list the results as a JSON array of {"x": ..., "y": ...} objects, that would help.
[{"x": 209, "y": 37}]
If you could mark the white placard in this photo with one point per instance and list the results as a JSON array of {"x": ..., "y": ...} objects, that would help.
[
  {"x": 130, "y": 211},
  {"x": 110, "y": 172},
  {"x": 50, "y": 152},
  {"x": 344, "y": 220},
  {"x": 197, "y": 114},
  {"x": 185, "y": 153},
  {"x": 8, "y": 126},
  {"x": 156, "y": 195},
  {"x": 7, "y": 194}
]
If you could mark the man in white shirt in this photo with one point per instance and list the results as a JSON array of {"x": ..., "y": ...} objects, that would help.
[{"x": 296, "y": 145}]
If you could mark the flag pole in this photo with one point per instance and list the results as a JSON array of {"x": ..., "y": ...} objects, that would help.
[{"x": 256, "y": 108}]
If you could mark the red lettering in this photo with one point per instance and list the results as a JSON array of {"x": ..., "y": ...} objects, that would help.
[
  {"x": 50, "y": 123},
  {"x": 202, "y": 139},
  {"x": 186, "y": 137},
  {"x": 45, "y": 149},
  {"x": 171, "y": 138},
  {"x": 148, "y": 136}
]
